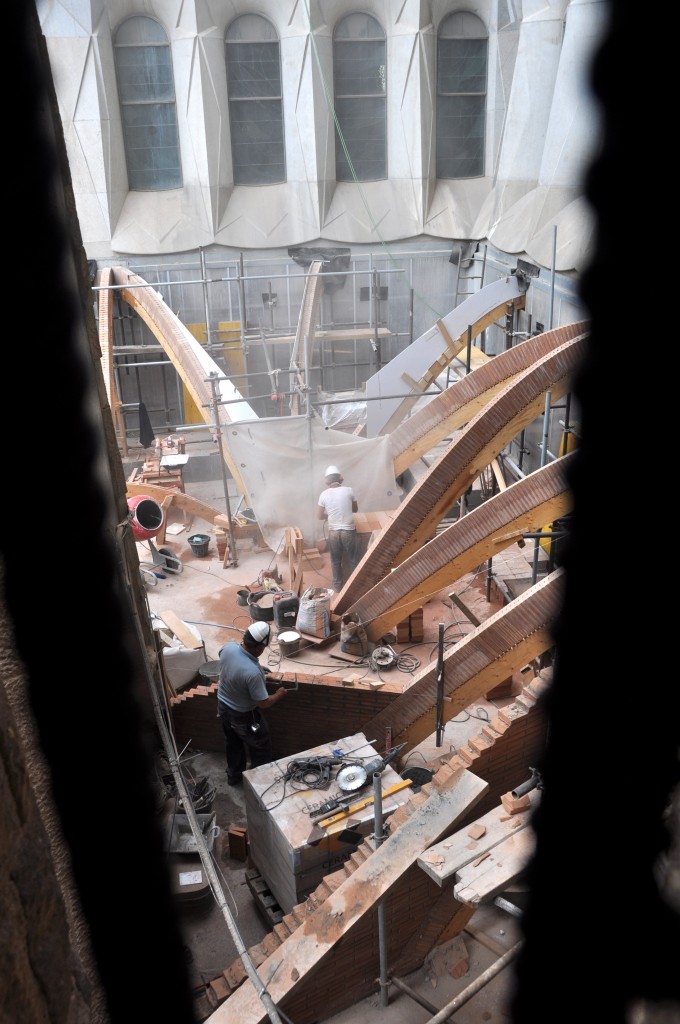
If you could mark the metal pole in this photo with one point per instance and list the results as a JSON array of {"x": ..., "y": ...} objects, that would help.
[
  {"x": 440, "y": 687},
  {"x": 544, "y": 449},
  {"x": 552, "y": 279},
  {"x": 375, "y": 283},
  {"x": 416, "y": 996},
  {"x": 225, "y": 483},
  {"x": 476, "y": 985},
  {"x": 379, "y": 837},
  {"x": 242, "y": 303},
  {"x": 468, "y": 358},
  {"x": 206, "y": 302}
]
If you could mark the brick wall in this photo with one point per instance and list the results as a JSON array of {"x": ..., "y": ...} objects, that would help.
[{"x": 315, "y": 713}]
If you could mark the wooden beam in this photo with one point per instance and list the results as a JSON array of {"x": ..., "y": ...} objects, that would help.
[{"x": 181, "y": 631}]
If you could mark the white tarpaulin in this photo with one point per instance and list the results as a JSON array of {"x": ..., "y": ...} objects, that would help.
[{"x": 282, "y": 463}]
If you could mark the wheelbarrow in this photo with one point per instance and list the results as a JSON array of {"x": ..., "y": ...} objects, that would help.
[{"x": 163, "y": 558}]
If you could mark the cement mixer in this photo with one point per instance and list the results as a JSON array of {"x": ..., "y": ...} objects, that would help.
[{"x": 146, "y": 520}]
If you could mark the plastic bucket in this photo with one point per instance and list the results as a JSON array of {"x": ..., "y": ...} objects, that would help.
[
  {"x": 242, "y": 597},
  {"x": 210, "y": 670},
  {"x": 199, "y": 544},
  {"x": 146, "y": 517},
  {"x": 289, "y": 643},
  {"x": 261, "y": 605}
]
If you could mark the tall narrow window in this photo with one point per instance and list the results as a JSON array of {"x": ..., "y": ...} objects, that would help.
[
  {"x": 255, "y": 101},
  {"x": 359, "y": 87},
  {"x": 147, "y": 100},
  {"x": 462, "y": 47}
]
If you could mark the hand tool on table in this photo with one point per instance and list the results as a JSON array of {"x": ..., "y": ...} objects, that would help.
[
  {"x": 360, "y": 804},
  {"x": 353, "y": 777}
]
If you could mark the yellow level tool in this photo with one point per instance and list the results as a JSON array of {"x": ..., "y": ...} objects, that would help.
[{"x": 360, "y": 804}]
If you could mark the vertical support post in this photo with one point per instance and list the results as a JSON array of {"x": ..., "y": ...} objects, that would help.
[
  {"x": 440, "y": 687},
  {"x": 206, "y": 303},
  {"x": 552, "y": 278},
  {"x": 225, "y": 483},
  {"x": 242, "y": 303},
  {"x": 379, "y": 836},
  {"x": 544, "y": 456},
  {"x": 375, "y": 294}
]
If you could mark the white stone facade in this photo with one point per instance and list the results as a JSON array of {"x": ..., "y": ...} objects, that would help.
[{"x": 542, "y": 127}]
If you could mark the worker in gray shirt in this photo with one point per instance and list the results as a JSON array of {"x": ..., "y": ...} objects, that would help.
[{"x": 242, "y": 695}]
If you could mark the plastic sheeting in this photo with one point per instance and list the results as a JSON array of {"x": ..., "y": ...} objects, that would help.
[
  {"x": 282, "y": 462},
  {"x": 180, "y": 663},
  {"x": 346, "y": 414}
]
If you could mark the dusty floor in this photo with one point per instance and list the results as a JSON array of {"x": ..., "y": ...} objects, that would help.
[{"x": 205, "y": 594}]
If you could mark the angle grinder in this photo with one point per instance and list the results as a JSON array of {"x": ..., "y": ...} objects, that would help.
[{"x": 354, "y": 776}]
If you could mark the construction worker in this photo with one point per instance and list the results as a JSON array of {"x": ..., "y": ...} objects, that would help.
[
  {"x": 241, "y": 697},
  {"x": 337, "y": 505}
]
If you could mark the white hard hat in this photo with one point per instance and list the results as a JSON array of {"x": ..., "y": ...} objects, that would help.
[
  {"x": 259, "y": 632},
  {"x": 332, "y": 471}
]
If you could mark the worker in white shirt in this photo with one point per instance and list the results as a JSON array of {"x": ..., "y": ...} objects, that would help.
[{"x": 337, "y": 505}]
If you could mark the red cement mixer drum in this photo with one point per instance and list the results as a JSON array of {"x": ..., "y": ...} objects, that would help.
[{"x": 146, "y": 517}]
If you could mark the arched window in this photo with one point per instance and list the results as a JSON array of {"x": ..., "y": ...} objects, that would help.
[
  {"x": 255, "y": 101},
  {"x": 359, "y": 88},
  {"x": 147, "y": 101},
  {"x": 462, "y": 47}
]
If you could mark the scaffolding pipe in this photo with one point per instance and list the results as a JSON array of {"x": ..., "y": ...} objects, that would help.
[
  {"x": 552, "y": 278},
  {"x": 225, "y": 483},
  {"x": 440, "y": 689},
  {"x": 206, "y": 303},
  {"x": 379, "y": 837},
  {"x": 241, "y": 277},
  {"x": 416, "y": 996},
  {"x": 466, "y": 995},
  {"x": 242, "y": 305},
  {"x": 544, "y": 449}
]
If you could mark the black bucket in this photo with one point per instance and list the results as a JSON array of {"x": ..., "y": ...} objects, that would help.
[
  {"x": 260, "y": 606},
  {"x": 199, "y": 544}
]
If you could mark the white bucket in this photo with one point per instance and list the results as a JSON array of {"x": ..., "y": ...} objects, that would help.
[{"x": 289, "y": 643}]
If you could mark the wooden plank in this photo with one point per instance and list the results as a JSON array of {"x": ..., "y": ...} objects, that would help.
[
  {"x": 444, "y": 860},
  {"x": 485, "y": 940},
  {"x": 495, "y": 870},
  {"x": 465, "y": 610},
  {"x": 348, "y": 906},
  {"x": 165, "y": 508},
  {"x": 181, "y": 631},
  {"x": 498, "y": 473}
]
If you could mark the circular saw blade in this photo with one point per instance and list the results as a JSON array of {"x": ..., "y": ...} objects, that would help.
[{"x": 351, "y": 777}]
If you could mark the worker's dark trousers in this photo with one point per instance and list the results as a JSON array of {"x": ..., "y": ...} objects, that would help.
[
  {"x": 243, "y": 742},
  {"x": 342, "y": 544}
]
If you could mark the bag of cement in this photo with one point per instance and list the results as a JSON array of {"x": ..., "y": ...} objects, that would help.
[{"x": 313, "y": 615}]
